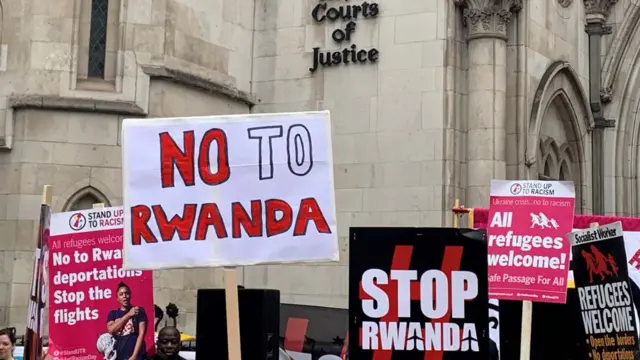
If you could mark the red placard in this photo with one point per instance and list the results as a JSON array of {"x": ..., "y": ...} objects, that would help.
[
  {"x": 85, "y": 275},
  {"x": 528, "y": 252}
]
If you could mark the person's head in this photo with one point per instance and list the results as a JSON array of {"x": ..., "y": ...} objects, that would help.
[
  {"x": 7, "y": 343},
  {"x": 168, "y": 341},
  {"x": 123, "y": 293}
]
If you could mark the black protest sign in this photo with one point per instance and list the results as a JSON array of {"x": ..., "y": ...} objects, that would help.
[
  {"x": 313, "y": 332},
  {"x": 418, "y": 292},
  {"x": 604, "y": 292}
]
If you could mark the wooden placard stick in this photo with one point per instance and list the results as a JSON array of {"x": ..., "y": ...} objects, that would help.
[{"x": 233, "y": 313}]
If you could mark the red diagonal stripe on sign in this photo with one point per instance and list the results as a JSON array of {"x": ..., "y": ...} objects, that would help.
[
  {"x": 401, "y": 261},
  {"x": 294, "y": 334},
  {"x": 450, "y": 262},
  {"x": 345, "y": 346}
]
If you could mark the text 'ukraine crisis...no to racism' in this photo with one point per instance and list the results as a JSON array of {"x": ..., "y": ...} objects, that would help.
[{"x": 205, "y": 161}]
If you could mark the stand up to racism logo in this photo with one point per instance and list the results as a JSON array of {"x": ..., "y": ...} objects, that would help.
[
  {"x": 417, "y": 292},
  {"x": 604, "y": 292}
]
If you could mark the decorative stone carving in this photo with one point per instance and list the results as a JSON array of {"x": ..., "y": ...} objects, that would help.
[
  {"x": 488, "y": 18},
  {"x": 605, "y": 94},
  {"x": 598, "y": 10},
  {"x": 565, "y": 3}
]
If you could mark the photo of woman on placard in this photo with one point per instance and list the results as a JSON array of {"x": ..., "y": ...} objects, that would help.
[{"x": 127, "y": 325}]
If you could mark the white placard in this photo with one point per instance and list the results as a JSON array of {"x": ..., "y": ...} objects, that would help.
[
  {"x": 228, "y": 191},
  {"x": 96, "y": 219}
]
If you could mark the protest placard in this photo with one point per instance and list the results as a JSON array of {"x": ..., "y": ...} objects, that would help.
[
  {"x": 404, "y": 309},
  {"x": 528, "y": 251},
  {"x": 38, "y": 291},
  {"x": 89, "y": 289},
  {"x": 228, "y": 191},
  {"x": 606, "y": 303}
]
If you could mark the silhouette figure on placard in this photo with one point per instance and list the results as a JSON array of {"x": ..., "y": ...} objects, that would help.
[
  {"x": 591, "y": 264},
  {"x": 613, "y": 265},
  {"x": 542, "y": 221},
  {"x": 599, "y": 264},
  {"x": 602, "y": 262},
  {"x": 535, "y": 220}
]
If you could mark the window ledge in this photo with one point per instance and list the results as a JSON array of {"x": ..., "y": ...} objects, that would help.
[
  {"x": 96, "y": 85},
  {"x": 198, "y": 82},
  {"x": 52, "y": 102}
]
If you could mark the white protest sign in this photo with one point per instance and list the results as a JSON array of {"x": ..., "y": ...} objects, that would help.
[{"x": 228, "y": 191}]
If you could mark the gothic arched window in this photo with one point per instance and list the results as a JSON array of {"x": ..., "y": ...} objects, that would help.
[
  {"x": 557, "y": 161},
  {"x": 99, "y": 23},
  {"x": 98, "y": 38},
  {"x": 84, "y": 199}
]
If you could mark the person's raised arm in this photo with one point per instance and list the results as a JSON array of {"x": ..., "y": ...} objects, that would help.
[{"x": 114, "y": 325}]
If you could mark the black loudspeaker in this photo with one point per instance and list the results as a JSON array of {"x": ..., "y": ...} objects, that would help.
[{"x": 259, "y": 324}]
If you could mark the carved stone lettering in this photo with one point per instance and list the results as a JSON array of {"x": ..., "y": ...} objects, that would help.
[{"x": 348, "y": 14}]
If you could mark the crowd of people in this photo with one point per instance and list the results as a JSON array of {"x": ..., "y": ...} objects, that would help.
[
  {"x": 124, "y": 338},
  {"x": 167, "y": 345}
]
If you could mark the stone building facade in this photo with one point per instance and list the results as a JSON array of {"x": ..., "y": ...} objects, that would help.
[{"x": 430, "y": 100}]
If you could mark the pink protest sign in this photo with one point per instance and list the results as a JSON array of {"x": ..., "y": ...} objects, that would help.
[
  {"x": 528, "y": 251},
  {"x": 97, "y": 310}
]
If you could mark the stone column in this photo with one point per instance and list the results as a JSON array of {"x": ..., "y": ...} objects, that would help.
[
  {"x": 597, "y": 12},
  {"x": 486, "y": 22}
]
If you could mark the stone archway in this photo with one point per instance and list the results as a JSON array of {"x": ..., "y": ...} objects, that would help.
[
  {"x": 85, "y": 198},
  {"x": 558, "y": 143}
]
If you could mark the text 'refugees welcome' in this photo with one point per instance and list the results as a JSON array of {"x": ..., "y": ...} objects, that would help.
[
  {"x": 517, "y": 243},
  {"x": 195, "y": 166}
]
